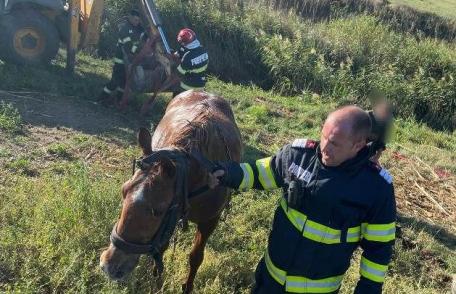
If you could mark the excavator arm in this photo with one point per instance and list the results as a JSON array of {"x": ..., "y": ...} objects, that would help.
[{"x": 84, "y": 20}]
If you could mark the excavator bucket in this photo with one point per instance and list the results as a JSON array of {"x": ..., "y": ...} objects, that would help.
[
  {"x": 91, "y": 12},
  {"x": 84, "y": 23}
]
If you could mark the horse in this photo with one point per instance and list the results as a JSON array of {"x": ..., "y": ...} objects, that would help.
[
  {"x": 197, "y": 129},
  {"x": 151, "y": 71}
]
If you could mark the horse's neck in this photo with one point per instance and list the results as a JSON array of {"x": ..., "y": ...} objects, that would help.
[
  {"x": 197, "y": 176},
  {"x": 196, "y": 172}
]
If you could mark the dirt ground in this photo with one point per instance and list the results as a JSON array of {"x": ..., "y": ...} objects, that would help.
[
  {"x": 52, "y": 111},
  {"x": 50, "y": 120}
]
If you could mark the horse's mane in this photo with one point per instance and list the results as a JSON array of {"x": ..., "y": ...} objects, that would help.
[{"x": 192, "y": 126}]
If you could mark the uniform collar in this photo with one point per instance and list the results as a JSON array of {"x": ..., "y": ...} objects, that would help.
[
  {"x": 193, "y": 45},
  {"x": 352, "y": 165}
]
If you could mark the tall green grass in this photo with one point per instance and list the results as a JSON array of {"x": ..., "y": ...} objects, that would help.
[
  {"x": 347, "y": 58},
  {"x": 446, "y": 8},
  {"x": 352, "y": 58},
  {"x": 10, "y": 119},
  {"x": 435, "y": 19}
]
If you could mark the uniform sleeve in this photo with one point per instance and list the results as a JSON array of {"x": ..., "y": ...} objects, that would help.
[
  {"x": 185, "y": 65},
  {"x": 180, "y": 52},
  {"x": 140, "y": 42},
  {"x": 125, "y": 40},
  {"x": 378, "y": 235},
  {"x": 262, "y": 174}
]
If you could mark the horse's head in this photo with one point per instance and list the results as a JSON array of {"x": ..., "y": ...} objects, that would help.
[{"x": 147, "y": 199}]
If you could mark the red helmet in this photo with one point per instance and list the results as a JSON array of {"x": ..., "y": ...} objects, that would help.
[{"x": 186, "y": 36}]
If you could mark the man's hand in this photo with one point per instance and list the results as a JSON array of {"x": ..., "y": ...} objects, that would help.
[
  {"x": 214, "y": 178},
  {"x": 174, "y": 57}
]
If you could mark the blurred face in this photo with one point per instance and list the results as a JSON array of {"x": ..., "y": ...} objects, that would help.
[
  {"x": 337, "y": 143},
  {"x": 134, "y": 20}
]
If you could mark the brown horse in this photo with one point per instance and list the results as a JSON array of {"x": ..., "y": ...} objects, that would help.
[
  {"x": 196, "y": 129},
  {"x": 158, "y": 72}
]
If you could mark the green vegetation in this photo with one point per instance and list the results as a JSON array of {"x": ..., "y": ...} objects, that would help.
[
  {"x": 446, "y": 8},
  {"x": 55, "y": 224},
  {"x": 60, "y": 194},
  {"x": 10, "y": 119},
  {"x": 345, "y": 59}
]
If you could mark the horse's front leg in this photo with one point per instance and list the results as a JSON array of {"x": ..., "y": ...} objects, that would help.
[
  {"x": 203, "y": 232},
  {"x": 147, "y": 103}
]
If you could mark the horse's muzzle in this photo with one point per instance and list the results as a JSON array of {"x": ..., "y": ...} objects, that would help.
[{"x": 116, "y": 264}]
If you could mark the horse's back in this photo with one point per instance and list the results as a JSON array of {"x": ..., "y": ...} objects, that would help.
[
  {"x": 190, "y": 99},
  {"x": 200, "y": 118},
  {"x": 205, "y": 122}
]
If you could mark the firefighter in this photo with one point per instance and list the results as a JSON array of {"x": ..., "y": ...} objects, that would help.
[
  {"x": 131, "y": 36},
  {"x": 193, "y": 59},
  {"x": 334, "y": 200}
]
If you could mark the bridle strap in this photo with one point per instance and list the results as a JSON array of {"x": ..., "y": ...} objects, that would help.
[
  {"x": 172, "y": 216},
  {"x": 129, "y": 247}
]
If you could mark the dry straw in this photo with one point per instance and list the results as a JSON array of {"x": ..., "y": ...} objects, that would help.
[{"x": 423, "y": 191}]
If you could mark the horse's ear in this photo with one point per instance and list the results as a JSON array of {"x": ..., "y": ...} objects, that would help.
[
  {"x": 145, "y": 141},
  {"x": 168, "y": 167}
]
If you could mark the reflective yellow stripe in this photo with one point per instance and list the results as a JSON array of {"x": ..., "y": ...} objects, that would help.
[
  {"x": 320, "y": 233},
  {"x": 297, "y": 218},
  {"x": 106, "y": 90},
  {"x": 187, "y": 87},
  {"x": 315, "y": 231},
  {"x": 120, "y": 89},
  {"x": 181, "y": 70},
  {"x": 118, "y": 60},
  {"x": 196, "y": 70},
  {"x": 199, "y": 69},
  {"x": 305, "y": 285},
  {"x": 134, "y": 48},
  {"x": 379, "y": 232},
  {"x": 125, "y": 40},
  {"x": 277, "y": 274},
  {"x": 300, "y": 284},
  {"x": 247, "y": 180},
  {"x": 373, "y": 271},
  {"x": 265, "y": 175},
  {"x": 354, "y": 234}
]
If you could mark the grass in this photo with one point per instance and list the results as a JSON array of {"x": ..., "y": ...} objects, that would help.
[
  {"x": 10, "y": 119},
  {"x": 446, "y": 8},
  {"x": 54, "y": 224}
]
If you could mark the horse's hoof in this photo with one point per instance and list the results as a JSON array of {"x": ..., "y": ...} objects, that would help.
[
  {"x": 156, "y": 273},
  {"x": 158, "y": 268},
  {"x": 186, "y": 290}
]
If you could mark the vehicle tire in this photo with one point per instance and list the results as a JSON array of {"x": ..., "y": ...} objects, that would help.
[{"x": 27, "y": 37}]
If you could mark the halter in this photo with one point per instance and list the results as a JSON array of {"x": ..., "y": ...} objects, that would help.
[{"x": 180, "y": 200}]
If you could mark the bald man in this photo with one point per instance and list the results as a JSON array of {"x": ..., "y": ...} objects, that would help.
[{"x": 334, "y": 200}]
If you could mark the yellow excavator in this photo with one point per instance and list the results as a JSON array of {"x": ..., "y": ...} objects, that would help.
[{"x": 32, "y": 31}]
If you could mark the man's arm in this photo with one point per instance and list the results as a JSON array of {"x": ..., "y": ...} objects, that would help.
[
  {"x": 263, "y": 174},
  {"x": 125, "y": 42},
  {"x": 378, "y": 233}
]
